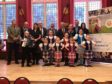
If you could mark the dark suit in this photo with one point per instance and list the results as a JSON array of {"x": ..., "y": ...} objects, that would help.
[
  {"x": 71, "y": 33},
  {"x": 22, "y": 30},
  {"x": 61, "y": 32},
  {"x": 43, "y": 32},
  {"x": 86, "y": 31},
  {"x": 76, "y": 30}
]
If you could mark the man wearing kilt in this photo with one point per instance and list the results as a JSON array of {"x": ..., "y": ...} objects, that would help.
[
  {"x": 57, "y": 46},
  {"x": 71, "y": 47},
  {"x": 88, "y": 45},
  {"x": 45, "y": 51}
]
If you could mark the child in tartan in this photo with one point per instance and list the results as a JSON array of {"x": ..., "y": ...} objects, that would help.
[
  {"x": 65, "y": 40},
  {"x": 51, "y": 39},
  {"x": 88, "y": 45},
  {"x": 45, "y": 51},
  {"x": 58, "y": 46},
  {"x": 71, "y": 47},
  {"x": 80, "y": 37}
]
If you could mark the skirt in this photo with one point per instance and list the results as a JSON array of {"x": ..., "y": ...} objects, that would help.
[
  {"x": 45, "y": 54},
  {"x": 58, "y": 55},
  {"x": 80, "y": 50},
  {"x": 88, "y": 55},
  {"x": 71, "y": 55},
  {"x": 65, "y": 53}
]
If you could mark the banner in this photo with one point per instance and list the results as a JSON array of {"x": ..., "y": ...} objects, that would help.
[
  {"x": 100, "y": 21},
  {"x": 103, "y": 42},
  {"x": 100, "y": 27}
]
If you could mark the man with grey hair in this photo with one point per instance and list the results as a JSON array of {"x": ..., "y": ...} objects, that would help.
[{"x": 13, "y": 42}]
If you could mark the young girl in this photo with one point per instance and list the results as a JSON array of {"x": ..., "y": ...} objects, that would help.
[
  {"x": 45, "y": 51},
  {"x": 51, "y": 39},
  {"x": 80, "y": 38},
  {"x": 71, "y": 47},
  {"x": 26, "y": 43},
  {"x": 88, "y": 45},
  {"x": 65, "y": 40},
  {"x": 58, "y": 46}
]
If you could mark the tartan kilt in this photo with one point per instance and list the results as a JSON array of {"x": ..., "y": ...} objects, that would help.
[
  {"x": 58, "y": 55},
  {"x": 71, "y": 55},
  {"x": 88, "y": 54},
  {"x": 51, "y": 53},
  {"x": 65, "y": 52},
  {"x": 46, "y": 54}
]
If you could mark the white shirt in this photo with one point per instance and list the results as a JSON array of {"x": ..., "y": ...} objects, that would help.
[
  {"x": 88, "y": 42},
  {"x": 41, "y": 45},
  {"x": 75, "y": 44},
  {"x": 76, "y": 36},
  {"x": 64, "y": 39},
  {"x": 51, "y": 37},
  {"x": 57, "y": 44}
]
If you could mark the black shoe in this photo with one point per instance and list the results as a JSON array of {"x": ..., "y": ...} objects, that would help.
[
  {"x": 71, "y": 65},
  {"x": 57, "y": 65},
  {"x": 16, "y": 62},
  {"x": 22, "y": 65},
  {"x": 51, "y": 64},
  {"x": 8, "y": 63},
  {"x": 46, "y": 65},
  {"x": 66, "y": 64},
  {"x": 89, "y": 66},
  {"x": 37, "y": 63},
  {"x": 33, "y": 63},
  {"x": 28, "y": 65}
]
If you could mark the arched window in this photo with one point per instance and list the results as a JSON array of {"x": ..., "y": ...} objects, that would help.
[
  {"x": 45, "y": 11},
  {"x": 7, "y": 14},
  {"x": 81, "y": 8}
]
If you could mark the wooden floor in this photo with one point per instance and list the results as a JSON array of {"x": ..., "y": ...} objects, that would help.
[{"x": 100, "y": 71}]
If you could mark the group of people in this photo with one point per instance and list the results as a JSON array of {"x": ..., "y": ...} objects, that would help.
[{"x": 69, "y": 44}]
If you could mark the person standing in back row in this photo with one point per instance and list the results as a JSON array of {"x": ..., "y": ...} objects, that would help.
[{"x": 13, "y": 42}]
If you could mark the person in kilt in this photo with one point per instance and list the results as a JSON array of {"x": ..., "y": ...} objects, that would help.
[
  {"x": 88, "y": 45},
  {"x": 45, "y": 51},
  {"x": 51, "y": 39},
  {"x": 58, "y": 46},
  {"x": 71, "y": 47},
  {"x": 80, "y": 37},
  {"x": 65, "y": 41}
]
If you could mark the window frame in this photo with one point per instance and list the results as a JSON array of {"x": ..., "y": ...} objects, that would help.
[
  {"x": 45, "y": 2},
  {"x": 4, "y": 3},
  {"x": 87, "y": 9}
]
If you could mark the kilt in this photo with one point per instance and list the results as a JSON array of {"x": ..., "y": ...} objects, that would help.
[
  {"x": 65, "y": 52},
  {"x": 45, "y": 54},
  {"x": 58, "y": 55},
  {"x": 71, "y": 55},
  {"x": 88, "y": 54},
  {"x": 51, "y": 53},
  {"x": 80, "y": 50}
]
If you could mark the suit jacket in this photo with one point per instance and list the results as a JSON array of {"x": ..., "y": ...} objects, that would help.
[
  {"x": 43, "y": 32},
  {"x": 71, "y": 33},
  {"x": 60, "y": 33},
  {"x": 22, "y": 30},
  {"x": 86, "y": 31},
  {"x": 13, "y": 33},
  {"x": 76, "y": 30}
]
